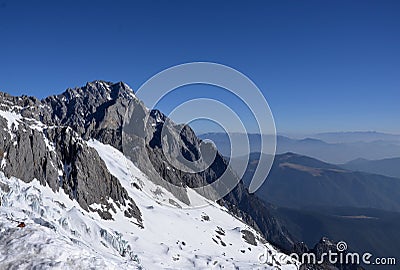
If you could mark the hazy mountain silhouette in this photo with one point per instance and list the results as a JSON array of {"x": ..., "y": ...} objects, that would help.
[
  {"x": 389, "y": 166},
  {"x": 337, "y": 153},
  {"x": 358, "y": 136},
  {"x": 297, "y": 181}
]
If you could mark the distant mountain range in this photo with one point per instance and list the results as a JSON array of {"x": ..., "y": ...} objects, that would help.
[
  {"x": 358, "y": 136},
  {"x": 387, "y": 166},
  {"x": 315, "y": 198},
  {"x": 338, "y": 152},
  {"x": 297, "y": 181}
]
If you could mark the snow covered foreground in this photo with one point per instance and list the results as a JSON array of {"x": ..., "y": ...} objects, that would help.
[{"x": 58, "y": 234}]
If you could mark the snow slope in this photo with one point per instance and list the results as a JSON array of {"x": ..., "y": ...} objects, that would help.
[{"x": 59, "y": 234}]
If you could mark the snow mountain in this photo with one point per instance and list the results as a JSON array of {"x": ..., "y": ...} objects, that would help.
[{"x": 70, "y": 198}]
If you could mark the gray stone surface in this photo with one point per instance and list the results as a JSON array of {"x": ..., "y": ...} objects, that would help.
[{"x": 58, "y": 157}]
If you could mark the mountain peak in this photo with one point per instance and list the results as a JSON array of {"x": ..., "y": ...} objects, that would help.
[{"x": 101, "y": 90}]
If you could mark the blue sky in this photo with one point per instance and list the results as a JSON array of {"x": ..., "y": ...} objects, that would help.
[{"x": 322, "y": 65}]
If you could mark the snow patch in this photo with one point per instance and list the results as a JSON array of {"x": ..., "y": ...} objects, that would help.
[{"x": 12, "y": 119}]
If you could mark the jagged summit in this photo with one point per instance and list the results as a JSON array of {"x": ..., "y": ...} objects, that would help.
[{"x": 98, "y": 89}]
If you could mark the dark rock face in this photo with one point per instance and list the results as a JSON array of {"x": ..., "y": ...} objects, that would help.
[
  {"x": 56, "y": 155},
  {"x": 94, "y": 111}
]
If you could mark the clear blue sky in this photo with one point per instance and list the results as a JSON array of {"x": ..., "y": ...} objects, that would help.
[{"x": 322, "y": 65}]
